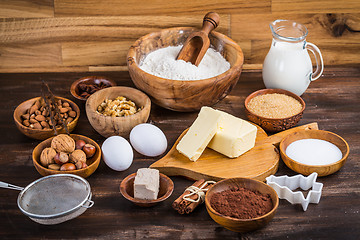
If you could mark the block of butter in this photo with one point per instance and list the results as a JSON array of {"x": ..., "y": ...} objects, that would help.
[
  {"x": 234, "y": 137},
  {"x": 200, "y": 133},
  {"x": 146, "y": 184}
]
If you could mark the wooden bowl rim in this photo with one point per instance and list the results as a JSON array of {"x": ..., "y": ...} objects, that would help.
[
  {"x": 51, "y": 171},
  {"x": 283, "y": 151},
  {"x": 85, "y": 79},
  {"x": 213, "y": 211},
  {"x": 77, "y": 110},
  {"x": 146, "y": 107},
  {"x": 236, "y": 66},
  {"x": 169, "y": 190},
  {"x": 270, "y": 91}
]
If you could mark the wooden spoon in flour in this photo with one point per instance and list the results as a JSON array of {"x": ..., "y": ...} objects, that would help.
[{"x": 198, "y": 42}]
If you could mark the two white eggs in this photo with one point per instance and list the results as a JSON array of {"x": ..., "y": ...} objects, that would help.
[{"x": 145, "y": 138}]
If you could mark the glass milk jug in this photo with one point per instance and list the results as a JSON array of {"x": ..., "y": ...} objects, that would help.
[{"x": 288, "y": 65}]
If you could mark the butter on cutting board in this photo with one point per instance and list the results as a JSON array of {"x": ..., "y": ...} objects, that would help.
[
  {"x": 146, "y": 184},
  {"x": 234, "y": 137},
  {"x": 219, "y": 131},
  {"x": 200, "y": 133}
]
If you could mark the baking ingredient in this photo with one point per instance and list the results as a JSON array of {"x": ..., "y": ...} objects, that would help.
[
  {"x": 117, "y": 153},
  {"x": 89, "y": 150},
  {"x": 68, "y": 167},
  {"x": 47, "y": 156},
  {"x": 86, "y": 88},
  {"x": 194, "y": 142},
  {"x": 146, "y": 184},
  {"x": 118, "y": 107},
  {"x": 61, "y": 158},
  {"x": 274, "y": 105},
  {"x": 241, "y": 203},
  {"x": 54, "y": 167},
  {"x": 63, "y": 143},
  {"x": 78, "y": 156},
  {"x": 79, "y": 144},
  {"x": 313, "y": 152},
  {"x": 234, "y": 137},
  {"x": 38, "y": 115},
  {"x": 163, "y": 63},
  {"x": 148, "y": 140}
]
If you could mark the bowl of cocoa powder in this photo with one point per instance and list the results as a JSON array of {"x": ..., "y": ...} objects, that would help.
[{"x": 241, "y": 204}]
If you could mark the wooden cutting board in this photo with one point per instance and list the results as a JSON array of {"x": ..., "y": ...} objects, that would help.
[{"x": 258, "y": 163}]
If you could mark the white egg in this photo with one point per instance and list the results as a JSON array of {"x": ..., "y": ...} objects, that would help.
[
  {"x": 117, "y": 153},
  {"x": 148, "y": 140}
]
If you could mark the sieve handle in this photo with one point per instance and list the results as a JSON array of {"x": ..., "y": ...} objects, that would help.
[
  {"x": 91, "y": 203},
  {"x": 10, "y": 186}
]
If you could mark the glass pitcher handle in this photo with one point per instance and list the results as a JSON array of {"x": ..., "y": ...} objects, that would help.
[{"x": 318, "y": 58}]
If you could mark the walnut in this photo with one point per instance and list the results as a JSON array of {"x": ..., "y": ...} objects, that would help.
[
  {"x": 63, "y": 143},
  {"x": 47, "y": 157},
  {"x": 78, "y": 155}
]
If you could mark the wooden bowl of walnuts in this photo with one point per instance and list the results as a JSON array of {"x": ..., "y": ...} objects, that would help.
[
  {"x": 33, "y": 119},
  {"x": 74, "y": 154}
]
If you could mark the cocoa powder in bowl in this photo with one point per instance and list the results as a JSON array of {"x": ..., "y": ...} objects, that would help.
[{"x": 241, "y": 203}]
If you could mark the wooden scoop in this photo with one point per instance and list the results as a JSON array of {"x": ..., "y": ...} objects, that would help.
[{"x": 198, "y": 42}]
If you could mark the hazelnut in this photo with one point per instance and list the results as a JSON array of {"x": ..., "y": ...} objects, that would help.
[
  {"x": 89, "y": 150},
  {"x": 80, "y": 165},
  {"x": 47, "y": 156},
  {"x": 61, "y": 158},
  {"x": 54, "y": 167},
  {"x": 63, "y": 143},
  {"x": 68, "y": 167},
  {"x": 78, "y": 155},
  {"x": 79, "y": 144}
]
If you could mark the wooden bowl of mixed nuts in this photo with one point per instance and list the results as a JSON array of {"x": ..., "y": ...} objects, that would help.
[
  {"x": 84, "y": 87},
  {"x": 33, "y": 118},
  {"x": 74, "y": 154},
  {"x": 116, "y": 110}
]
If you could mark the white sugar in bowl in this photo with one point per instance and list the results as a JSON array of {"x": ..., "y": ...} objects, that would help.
[
  {"x": 148, "y": 140},
  {"x": 117, "y": 153}
]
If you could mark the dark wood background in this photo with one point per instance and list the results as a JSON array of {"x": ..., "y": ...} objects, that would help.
[
  {"x": 332, "y": 101},
  {"x": 88, "y": 35}
]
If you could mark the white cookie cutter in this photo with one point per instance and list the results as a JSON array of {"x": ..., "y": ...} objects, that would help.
[{"x": 285, "y": 185}]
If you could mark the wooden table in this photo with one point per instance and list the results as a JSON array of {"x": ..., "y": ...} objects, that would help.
[{"x": 333, "y": 101}]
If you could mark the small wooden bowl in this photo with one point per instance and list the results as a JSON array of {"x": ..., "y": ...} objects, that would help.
[
  {"x": 75, "y": 91},
  {"x": 322, "y": 170},
  {"x": 274, "y": 124},
  {"x": 42, "y": 134},
  {"x": 180, "y": 95},
  {"x": 92, "y": 163},
  {"x": 111, "y": 126},
  {"x": 235, "y": 224},
  {"x": 127, "y": 190}
]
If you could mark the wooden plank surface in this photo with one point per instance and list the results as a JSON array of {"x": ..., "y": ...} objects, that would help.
[{"x": 332, "y": 101}]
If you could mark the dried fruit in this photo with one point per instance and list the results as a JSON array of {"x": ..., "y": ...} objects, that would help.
[
  {"x": 63, "y": 143},
  {"x": 47, "y": 156}
]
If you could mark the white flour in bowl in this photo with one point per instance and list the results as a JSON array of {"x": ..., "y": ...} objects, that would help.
[{"x": 163, "y": 63}]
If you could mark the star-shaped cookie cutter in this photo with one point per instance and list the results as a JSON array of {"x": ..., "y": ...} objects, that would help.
[{"x": 285, "y": 185}]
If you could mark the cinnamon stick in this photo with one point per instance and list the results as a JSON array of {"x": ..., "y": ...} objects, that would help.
[
  {"x": 180, "y": 202},
  {"x": 191, "y": 207}
]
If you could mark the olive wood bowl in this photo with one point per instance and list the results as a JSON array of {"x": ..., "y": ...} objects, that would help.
[
  {"x": 235, "y": 224},
  {"x": 75, "y": 91},
  {"x": 322, "y": 170},
  {"x": 165, "y": 190},
  {"x": 42, "y": 134},
  {"x": 274, "y": 124},
  {"x": 111, "y": 126},
  {"x": 181, "y": 95},
  {"x": 92, "y": 162}
]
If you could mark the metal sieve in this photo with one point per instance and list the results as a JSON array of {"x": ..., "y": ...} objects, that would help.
[{"x": 54, "y": 199}]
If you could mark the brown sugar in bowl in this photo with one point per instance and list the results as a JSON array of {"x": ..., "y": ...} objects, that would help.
[
  {"x": 111, "y": 126},
  {"x": 274, "y": 124},
  {"x": 236, "y": 224},
  {"x": 180, "y": 95},
  {"x": 92, "y": 162},
  {"x": 42, "y": 134}
]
